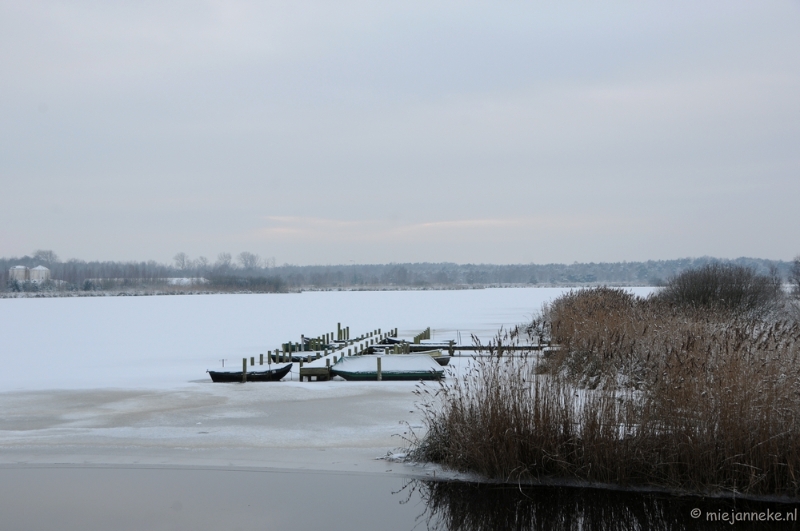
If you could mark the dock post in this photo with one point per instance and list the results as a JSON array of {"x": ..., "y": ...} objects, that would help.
[
  {"x": 261, "y": 359},
  {"x": 252, "y": 360},
  {"x": 300, "y": 372},
  {"x": 244, "y": 370},
  {"x": 328, "y": 363},
  {"x": 302, "y": 342},
  {"x": 379, "y": 369}
]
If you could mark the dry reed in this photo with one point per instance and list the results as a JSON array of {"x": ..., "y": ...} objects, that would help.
[{"x": 638, "y": 394}]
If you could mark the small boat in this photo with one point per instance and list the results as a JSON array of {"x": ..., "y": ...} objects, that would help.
[
  {"x": 442, "y": 360},
  {"x": 393, "y": 367},
  {"x": 438, "y": 356},
  {"x": 256, "y": 373}
]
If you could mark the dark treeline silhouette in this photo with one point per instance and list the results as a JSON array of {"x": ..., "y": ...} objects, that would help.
[{"x": 103, "y": 275}]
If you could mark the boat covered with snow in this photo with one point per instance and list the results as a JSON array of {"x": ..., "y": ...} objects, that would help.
[
  {"x": 255, "y": 373},
  {"x": 393, "y": 367}
]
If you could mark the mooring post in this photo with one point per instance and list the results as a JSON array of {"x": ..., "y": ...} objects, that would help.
[
  {"x": 379, "y": 368},
  {"x": 328, "y": 363},
  {"x": 300, "y": 372},
  {"x": 302, "y": 342},
  {"x": 244, "y": 370},
  {"x": 252, "y": 360},
  {"x": 261, "y": 359}
]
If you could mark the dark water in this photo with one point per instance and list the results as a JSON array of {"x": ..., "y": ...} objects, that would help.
[
  {"x": 455, "y": 506},
  {"x": 87, "y": 499}
]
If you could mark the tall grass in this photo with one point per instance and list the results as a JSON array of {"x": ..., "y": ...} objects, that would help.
[{"x": 639, "y": 393}]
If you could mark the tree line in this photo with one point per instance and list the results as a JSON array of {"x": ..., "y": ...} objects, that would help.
[{"x": 249, "y": 270}]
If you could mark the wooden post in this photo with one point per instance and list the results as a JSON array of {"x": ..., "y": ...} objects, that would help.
[
  {"x": 328, "y": 362},
  {"x": 244, "y": 370},
  {"x": 252, "y": 360},
  {"x": 300, "y": 372},
  {"x": 261, "y": 359},
  {"x": 379, "y": 369},
  {"x": 302, "y": 342}
]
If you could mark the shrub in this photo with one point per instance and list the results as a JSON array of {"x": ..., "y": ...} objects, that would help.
[{"x": 723, "y": 287}]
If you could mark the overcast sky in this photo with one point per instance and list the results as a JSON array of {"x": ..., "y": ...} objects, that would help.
[{"x": 338, "y": 132}]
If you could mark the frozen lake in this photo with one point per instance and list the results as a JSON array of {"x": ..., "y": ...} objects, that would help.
[
  {"x": 166, "y": 342},
  {"x": 122, "y": 380},
  {"x": 110, "y": 421}
]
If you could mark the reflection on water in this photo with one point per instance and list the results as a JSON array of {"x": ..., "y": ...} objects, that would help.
[{"x": 459, "y": 506}]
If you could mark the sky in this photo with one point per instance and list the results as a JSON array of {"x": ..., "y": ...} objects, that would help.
[{"x": 375, "y": 132}]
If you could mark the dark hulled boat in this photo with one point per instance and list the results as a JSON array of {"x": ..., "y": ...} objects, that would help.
[{"x": 256, "y": 373}]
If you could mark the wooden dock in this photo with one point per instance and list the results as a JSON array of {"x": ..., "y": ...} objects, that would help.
[{"x": 318, "y": 354}]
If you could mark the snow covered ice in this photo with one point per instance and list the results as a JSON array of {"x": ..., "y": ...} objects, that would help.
[{"x": 123, "y": 379}]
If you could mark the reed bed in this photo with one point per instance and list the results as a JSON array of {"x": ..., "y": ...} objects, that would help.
[{"x": 641, "y": 392}]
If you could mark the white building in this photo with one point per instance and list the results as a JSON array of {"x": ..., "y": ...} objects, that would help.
[
  {"x": 39, "y": 274},
  {"x": 23, "y": 274},
  {"x": 19, "y": 273}
]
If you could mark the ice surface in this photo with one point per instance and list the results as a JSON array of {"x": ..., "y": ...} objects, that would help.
[
  {"x": 122, "y": 380},
  {"x": 164, "y": 342}
]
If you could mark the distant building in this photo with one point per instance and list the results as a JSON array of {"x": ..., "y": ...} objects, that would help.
[
  {"x": 39, "y": 274},
  {"x": 24, "y": 274},
  {"x": 19, "y": 273}
]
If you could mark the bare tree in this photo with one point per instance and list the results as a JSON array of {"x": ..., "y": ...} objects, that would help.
[
  {"x": 182, "y": 261},
  {"x": 223, "y": 261},
  {"x": 202, "y": 263},
  {"x": 249, "y": 260},
  {"x": 794, "y": 276},
  {"x": 46, "y": 256}
]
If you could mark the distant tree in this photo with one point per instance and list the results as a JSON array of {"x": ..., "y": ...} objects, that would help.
[
  {"x": 223, "y": 261},
  {"x": 249, "y": 260},
  {"x": 182, "y": 261},
  {"x": 202, "y": 263},
  {"x": 794, "y": 276},
  {"x": 46, "y": 256}
]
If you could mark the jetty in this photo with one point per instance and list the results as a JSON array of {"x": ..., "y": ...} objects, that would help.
[{"x": 317, "y": 356}]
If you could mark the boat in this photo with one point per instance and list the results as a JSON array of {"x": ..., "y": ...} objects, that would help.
[
  {"x": 442, "y": 360},
  {"x": 438, "y": 356},
  {"x": 255, "y": 373},
  {"x": 393, "y": 367}
]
